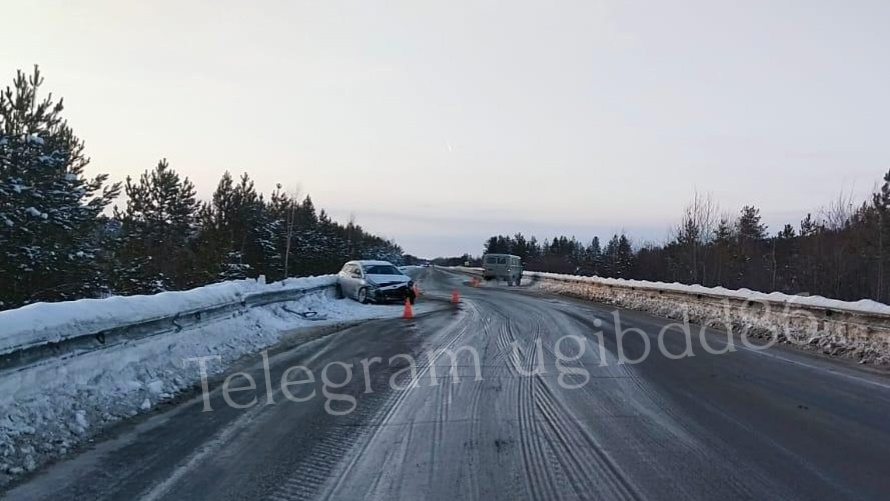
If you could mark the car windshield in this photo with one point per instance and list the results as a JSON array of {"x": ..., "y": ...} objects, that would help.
[{"x": 382, "y": 269}]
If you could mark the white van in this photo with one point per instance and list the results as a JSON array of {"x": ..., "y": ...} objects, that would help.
[{"x": 502, "y": 267}]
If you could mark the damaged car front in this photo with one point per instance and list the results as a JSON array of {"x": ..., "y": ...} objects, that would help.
[{"x": 387, "y": 283}]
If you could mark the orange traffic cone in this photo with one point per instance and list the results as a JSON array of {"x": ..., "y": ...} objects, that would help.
[
  {"x": 454, "y": 297},
  {"x": 408, "y": 313}
]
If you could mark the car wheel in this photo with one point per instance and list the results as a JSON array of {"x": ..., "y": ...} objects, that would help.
[
  {"x": 362, "y": 295},
  {"x": 340, "y": 294},
  {"x": 518, "y": 280}
]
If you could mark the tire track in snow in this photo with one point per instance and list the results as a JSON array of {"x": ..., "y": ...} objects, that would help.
[
  {"x": 358, "y": 448},
  {"x": 538, "y": 481},
  {"x": 310, "y": 475},
  {"x": 581, "y": 456}
]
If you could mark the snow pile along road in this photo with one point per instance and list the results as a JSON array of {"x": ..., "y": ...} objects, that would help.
[
  {"x": 865, "y": 306},
  {"x": 858, "y": 330},
  {"x": 43, "y": 323},
  {"x": 47, "y": 408},
  {"x": 851, "y": 329}
]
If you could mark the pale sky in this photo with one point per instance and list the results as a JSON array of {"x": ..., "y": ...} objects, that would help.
[{"x": 441, "y": 123}]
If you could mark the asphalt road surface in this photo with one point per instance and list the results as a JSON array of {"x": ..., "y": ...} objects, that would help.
[{"x": 533, "y": 424}]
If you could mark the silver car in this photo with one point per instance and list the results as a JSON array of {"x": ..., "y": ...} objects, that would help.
[{"x": 377, "y": 281}]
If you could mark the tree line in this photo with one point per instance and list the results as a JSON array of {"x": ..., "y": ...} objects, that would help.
[
  {"x": 843, "y": 252},
  {"x": 567, "y": 254},
  {"x": 58, "y": 241}
]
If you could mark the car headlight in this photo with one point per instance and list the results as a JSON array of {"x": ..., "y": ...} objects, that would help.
[{"x": 410, "y": 284}]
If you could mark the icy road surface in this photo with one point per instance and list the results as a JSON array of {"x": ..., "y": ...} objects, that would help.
[{"x": 777, "y": 424}]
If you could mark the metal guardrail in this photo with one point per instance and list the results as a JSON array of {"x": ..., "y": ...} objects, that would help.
[
  {"x": 704, "y": 296},
  {"x": 93, "y": 340}
]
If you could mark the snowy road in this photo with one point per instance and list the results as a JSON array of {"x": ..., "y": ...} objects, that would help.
[{"x": 746, "y": 424}]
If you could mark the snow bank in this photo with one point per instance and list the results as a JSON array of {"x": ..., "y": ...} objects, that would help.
[
  {"x": 859, "y": 330},
  {"x": 47, "y": 409},
  {"x": 864, "y": 306},
  {"x": 42, "y": 323}
]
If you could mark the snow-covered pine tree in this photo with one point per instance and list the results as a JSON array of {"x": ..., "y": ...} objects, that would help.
[
  {"x": 279, "y": 211},
  {"x": 51, "y": 224},
  {"x": 290, "y": 223},
  {"x": 625, "y": 257},
  {"x": 253, "y": 229},
  {"x": 158, "y": 230},
  {"x": 331, "y": 243},
  {"x": 312, "y": 245},
  {"x": 312, "y": 242},
  {"x": 238, "y": 233}
]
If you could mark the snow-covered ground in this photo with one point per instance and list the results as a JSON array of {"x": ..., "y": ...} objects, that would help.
[{"x": 48, "y": 408}]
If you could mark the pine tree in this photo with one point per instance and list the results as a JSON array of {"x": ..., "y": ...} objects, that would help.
[
  {"x": 595, "y": 256},
  {"x": 687, "y": 240},
  {"x": 497, "y": 244},
  {"x": 238, "y": 233},
  {"x": 749, "y": 225},
  {"x": 534, "y": 250},
  {"x": 880, "y": 236},
  {"x": 808, "y": 226},
  {"x": 611, "y": 261},
  {"x": 785, "y": 259},
  {"x": 724, "y": 243},
  {"x": 281, "y": 212},
  {"x": 51, "y": 224},
  {"x": 158, "y": 230},
  {"x": 313, "y": 242},
  {"x": 625, "y": 257},
  {"x": 520, "y": 246}
]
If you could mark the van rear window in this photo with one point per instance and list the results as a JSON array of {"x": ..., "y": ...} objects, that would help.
[{"x": 502, "y": 260}]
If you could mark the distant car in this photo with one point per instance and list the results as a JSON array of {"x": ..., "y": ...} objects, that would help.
[
  {"x": 426, "y": 264},
  {"x": 377, "y": 281},
  {"x": 502, "y": 267}
]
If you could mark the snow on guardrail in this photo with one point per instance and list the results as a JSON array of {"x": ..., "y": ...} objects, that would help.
[
  {"x": 43, "y": 323},
  {"x": 859, "y": 330},
  {"x": 864, "y": 306}
]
